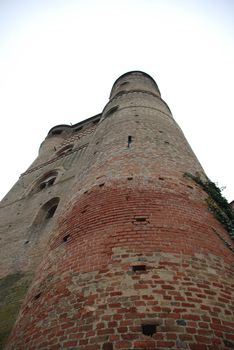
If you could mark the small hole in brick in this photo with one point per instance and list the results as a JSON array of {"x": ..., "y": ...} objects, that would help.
[
  {"x": 130, "y": 178},
  {"x": 181, "y": 322},
  {"x": 101, "y": 185},
  {"x": 107, "y": 346},
  {"x": 137, "y": 115},
  {"x": 26, "y": 242},
  {"x": 148, "y": 329},
  {"x": 83, "y": 211},
  {"x": 161, "y": 178},
  {"x": 140, "y": 218},
  {"x": 160, "y": 131},
  {"x": 190, "y": 187},
  {"x": 166, "y": 142},
  {"x": 65, "y": 238},
  {"x": 37, "y": 296},
  {"x": 138, "y": 268}
]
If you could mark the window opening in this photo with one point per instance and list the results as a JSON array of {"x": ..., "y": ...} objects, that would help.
[
  {"x": 42, "y": 185},
  {"x": 44, "y": 182},
  {"x": 65, "y": 150},
  {"x": 51, "y": 211},
  {"x": 46, "y": 212},
  {"x": 129, "y": 140}
]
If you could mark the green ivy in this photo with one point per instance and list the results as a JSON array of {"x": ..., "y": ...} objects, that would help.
[{"x": 217, "y": 203}]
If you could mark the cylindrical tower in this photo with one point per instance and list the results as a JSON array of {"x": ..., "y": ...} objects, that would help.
[{"x": 136, "y": 260}]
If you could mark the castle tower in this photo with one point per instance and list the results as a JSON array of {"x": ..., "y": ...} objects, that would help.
[{"x": 109, "y": 245}]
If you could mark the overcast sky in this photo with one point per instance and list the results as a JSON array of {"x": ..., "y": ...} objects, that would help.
[{"x": 60, "y": 58}]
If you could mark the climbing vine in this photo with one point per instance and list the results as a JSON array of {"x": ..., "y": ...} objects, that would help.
[{"x": 217, "y": 204}]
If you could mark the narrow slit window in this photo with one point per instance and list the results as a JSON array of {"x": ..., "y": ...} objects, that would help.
[{"x": 129, "y": 140}]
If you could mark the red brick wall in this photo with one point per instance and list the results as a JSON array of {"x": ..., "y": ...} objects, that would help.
[{"x": 90, "y": 295}]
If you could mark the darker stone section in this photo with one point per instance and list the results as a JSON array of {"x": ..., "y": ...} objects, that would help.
[{"x": 12, "y": 291}]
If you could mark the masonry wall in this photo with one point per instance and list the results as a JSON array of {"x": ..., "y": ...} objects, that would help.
[
  {"x": 133, "y": 259},
  {"x": 23, "y": 238}
]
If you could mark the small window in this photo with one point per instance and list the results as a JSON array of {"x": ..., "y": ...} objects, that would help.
[
  {"x": 65, "y": 150},
  {"x": 45, "y": 181},
  {"x": 46, "y": 212},
  {"x": 51, "y": 211}
]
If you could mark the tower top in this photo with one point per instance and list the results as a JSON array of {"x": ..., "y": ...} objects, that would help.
[
  {"x": 134, "y": 72},
  {"x": 134, "y": 81}
]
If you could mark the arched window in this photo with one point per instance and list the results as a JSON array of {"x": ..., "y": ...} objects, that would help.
[
  {"x": 45, "y": 181},
  {"x": 46, "y": 212},
  {"x": 65, "y": 150}
]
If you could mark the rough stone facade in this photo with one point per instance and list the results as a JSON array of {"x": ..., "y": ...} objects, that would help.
[{"x": 107, "y": 245}]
